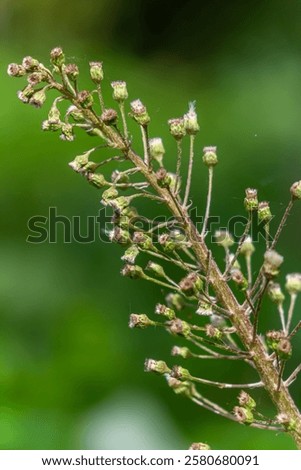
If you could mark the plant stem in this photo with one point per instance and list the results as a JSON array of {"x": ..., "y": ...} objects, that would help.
[
  {"x": 208, "y": 204},
  {"x": 189, "y": 176}
]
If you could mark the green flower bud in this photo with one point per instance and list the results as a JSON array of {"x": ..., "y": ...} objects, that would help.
[
  {"x": 157, "y": 150},
  {"x": 289, "y": 424},
  {"x": 159, "y": 367},
  {"x": 175, "y": 301},
  {"x": 243, "y": 415},
  {"x": 155, "y": 269},
  {"x": 51, "y": 126},
  {"x": 293, "y": 283},
  {"x": 67, "y": 132},
  {"x": 239, "y": 279},
  {"x": 296, "y": 190},
  {"x": 272, "y": 261},
  {"x": 210, "y": 157},
  {"x": 251, "y": 200},
  {"x": 120, "y": 92},
  {"x": 130, "y": 254},
  {"x": 273, "y": 338},
  {"x": 139, "y": 113},
  {"x": 191, "y": 284},
  {"x": 199, "y": 446},
  {"x": 30, "y": 64},
  {"x": 37, "y": 77},
  {"x": 132, "y": 271},
  {"x": 264, "y": 212},
  {"x": 167, "y": 243},
  {"x": 284, "y": 349},
  {"x": 38, "y": 98},
  {"x": 16, "y": 70},
  {"x": 109, "y": 117},
  {"x": 183, "y": 352},
  {"x": 224, "y": 238},
  {"x": 177, "y": 128},
  {"x": 119, "y": 203},
  {"x": 26, "y": 94},
  {"x": 118, "y": 235},
  {"x": 143, "y": 240},
  {"x": 179, "y": 327},
  {"x": 72, "y": 72},
  {"x": 246, "y": 401},
  {"x": 85, "y": 99},
  {"x": 204, "y": 308},
  {"x": 96, "y": 72},
  {"x": 97, "y": 180},
  {"x": 247, "y": 247},
  {"x": 191, "y": 121},
  {"x": 178, "y": 386},
  {"x": 140, "y": 321},
  {"x": 76, "y": 113},
  {"x": 180, "y": 373},
  {"x": 120, "y": 177},
  {"x": 275, "y": 293},
  {"x": 57, "y": 57},
  {"x": 163, "y": 178},
  {"x": 213, "y": 332},
  {"x": 108, "y": 195},
  {"x": 165, "y": 311}
]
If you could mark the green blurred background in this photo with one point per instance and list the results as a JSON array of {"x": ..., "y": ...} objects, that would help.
[{"x": 71, "y": 372}]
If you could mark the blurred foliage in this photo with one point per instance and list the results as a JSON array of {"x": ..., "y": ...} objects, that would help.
[{"x": 67, "y": 358}]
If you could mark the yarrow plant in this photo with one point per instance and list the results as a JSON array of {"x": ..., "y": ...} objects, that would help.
[{"x": 215, "y": 310}]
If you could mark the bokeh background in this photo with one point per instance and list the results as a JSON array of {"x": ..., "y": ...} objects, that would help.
[{"x": 71, "y": 372}]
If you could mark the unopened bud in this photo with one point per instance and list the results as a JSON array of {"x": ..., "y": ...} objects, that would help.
[
  {"x": 130, "y": 254},
  {"x": 239, "y": 279},
  {"x": 264, "y": 212},
  {"x": 204, "y": 308},
  {"x": 143, "y": 240},
  {"x": 191, "y": 121},
  {"x": 246, "y": 401},
  {"x": 159, "y": 367},
  {"x": 97, "y": 180},
  {"x": 155, "y": 269},
  {"x": 183, "y": 352},
  {"x": 67, "y": 132},
  {"x": 179, "y": 327},
  {"x": 38, "y": 98},
  {"x": 139, "y": 113},
  {"x": 72, "y": 72},
  {"x": 140, "y": 321},
  {"x": 199, "y": 446},
  {"x": 109, "y": 117},
  {"x": 132, "y": 271},
  {"x": 157, "y": 150},
  {"x": 85, "y": 99},
  {"x": 108, "y": 195},
  {"x": 167, "y": 312},
  {"x": 247, "y": 247},
  {"x": 118, "y": 235},
  {"x": 191, "y": 284},
  {"x": 224, "y": 238},
  {"x": 177, "y": 128},
  {"x": 296, "y": 190},
  {"x": 210, "y": 157},
  {"x": 272, "y": 261},
  {"x": 284, "y": 349},
  {"x": 273, "y": 338},
  {"x": 243, "y": 415},
  {"x": 175, "y": 301},
  {"x": 26, "y": 94},
  {"x": 293, "y": 283},
  {"x": 167, "y": 243},
  {"x": 213, "y": 332},
  {"x": 178, "y": 386},
  {"x": 30, "y": 64},
  {"x": 275, "y": 293},
  {"x": 120, "y": 92},
  {"x": 16, "y": 70},
  {"x": 180, "y": 373},
  {"x": 96, "y": 72},
  {"x": 251, "y": 200},
  {"x": 57, "y": 57}
]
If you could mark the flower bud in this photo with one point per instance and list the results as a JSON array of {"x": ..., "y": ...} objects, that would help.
[
  {"x": 246, "y": 401},
  {"x": 97, "y": 180},
  {"x": 139, "y": 113},
  {"x": 273, "y": 338},
  {"x": 210, "y": 157},
  {"x": 76, "y": 113},
  {"x": 30, "y": 64},
  {"x": 72, "y": 72},
  {"x": 204, "y": 308},
  {"x": 178, "y": 386},
  {"x": 118, "y": 235},
  {"x": 275, "y": 293},
  {"x": 165, "y": 311},
  {"x": 120, "y": 177},
  {"x": 239, "y": 279},
  {"x": 180, "y": 373},
  {"x": 224, "y": 238},
  {"x": 163, "y": 178},
  {"x": 130, "y": 254},
  {"x": 67, "y": 132},
  {"x": 191, "y": 121},
  {"x": 26, "y": 94},
  {"x": 177, "y": 128},
  {"x": 96, "y": 72},
  {"x": 109, "y": 117},
  {"x": 38, "y": 98},
  {"x": 183, "y": 352},
  {"x": 288, "y": 423},
  {"x": 108, "y": 195},
  {"x": 247, "y": 247},
  {"x": 272, "y": 261},
  {"x": 132, "y": 271},
  {"x": 284, "y": 349},
  {"x": 143, "y": 240},
  {"x": 191, "y": 284},
  {"x": 159, "y": 367},
  {"x": 217, "y": 321},
  {"x": 167, "y": 243},
  {"x": 213, "y": 332},
  {"x": 251, "y": 200},
  {"x": 243, "y": 415},
  {"x": 16, "y": 70},
  {"x": 293, "y": 283},
  {"x": 264, "y": 212},
  {"x": 37, "y": 77},
  {"x": 179, "y": 327},
  {"x": 157, "y": 150},
  {"x": 175, "y": 301},
  {"x": 155, "y": 269},
  {"x": 140, "y": 321},
  {"x": 57, "y": 57},
  {"x": 48, "y": 125},
  {"x": 120, "y": 92},
  {"x": 85, "y": 99},
  {"x": 296, "y": 190},
  {"x": 199, "y": 446}
]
